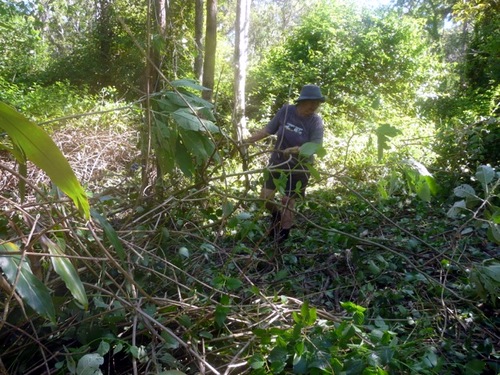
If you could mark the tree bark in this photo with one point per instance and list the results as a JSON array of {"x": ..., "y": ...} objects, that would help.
[
  {"x": 210, "y": 49},
  {"x": 241, "y": 62},
  {"x": 198, "y": 39}
]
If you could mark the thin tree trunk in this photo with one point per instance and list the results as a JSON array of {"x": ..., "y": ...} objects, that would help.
[
  {"x": 210, "y": 49},
  {"x": 241, "y": 62},
  {"x": 198, "y": 39}
]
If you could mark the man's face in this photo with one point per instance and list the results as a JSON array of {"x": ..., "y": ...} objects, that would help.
[{"x": 308, "y": 107}]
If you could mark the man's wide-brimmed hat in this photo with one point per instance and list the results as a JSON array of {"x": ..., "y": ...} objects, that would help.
[{"x": 311, "y": 92}]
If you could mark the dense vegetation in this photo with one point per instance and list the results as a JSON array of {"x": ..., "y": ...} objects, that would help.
[{"x": 143, "y": 250}]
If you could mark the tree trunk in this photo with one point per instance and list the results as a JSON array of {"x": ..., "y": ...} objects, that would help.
[
  {"x": 210, "y": 49},
  {"x": 241, "y": 62},
  {"x": 198, "y": 39},
  {"x": 105, "y": 37}
]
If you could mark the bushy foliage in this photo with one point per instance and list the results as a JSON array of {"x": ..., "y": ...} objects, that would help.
[
  {"x": 355, "y": 288},
  {"x": 379, "y": 276},
  {"x": 360, "y": 60},
  {"x": 23, "y": 51}
]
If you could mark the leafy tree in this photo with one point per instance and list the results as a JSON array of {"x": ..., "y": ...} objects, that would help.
[
  {"x": 363, "y": 61},
  {"x": 434, "y": 13},
  {"x": 482, "y": 70},
  {"x": 23, "y": 48}
]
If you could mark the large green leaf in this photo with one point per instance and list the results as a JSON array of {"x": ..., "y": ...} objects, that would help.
[
  {"x": 188, "y": 83},
  {"x": 89, "y": 364},
  {"x": 185, "y": 119},
  {"x": 43, "y": 152},
  {"x": 29, "y": 288},
  {"x": 311, "y": 148},
  {"x": 383, "y": 133},
  {"x": 66, "y": 270},
  {"x": 184, "y": 160},
  {"x": 195, "y": 143},
  {"x": 485, "y": 174},
  {"x": 165, "y": 142}
]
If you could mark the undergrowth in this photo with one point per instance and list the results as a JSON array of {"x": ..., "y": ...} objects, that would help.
[{"x": 367, "y": 283}]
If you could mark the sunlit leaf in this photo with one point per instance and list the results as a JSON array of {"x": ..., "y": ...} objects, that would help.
[
  {"x": 311, "y": 148},
  {"x": 43, "y": 152},
  {"x": 464, "y": 191},
  {"x": 29, "y": 288},
  {"x": 352, "y": 307},
  {"x": 485, "y": 174},
  {"x": 187, "y": 120},
  {"x": 67, "y": 271},
  {"x": 188, "y": 83},
  {"x": 184, "y": 252},
  {"x": 89, "y": 364},
  {"x": 257, "y": 361}
]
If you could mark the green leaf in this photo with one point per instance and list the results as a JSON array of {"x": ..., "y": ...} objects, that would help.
[
  {"x": 194, "y": 101},
  {"x": 194, "y": 143},
  {"x": 165, "y": 141},
  {"x": 184, "y": 252},
  {"x": 485, "y": 174},
  {"x": 311, "y": 148},
  {"x": 139, "y": 352},
  {"x": 187, "y": 120},
  {"x": 387, "y": 130},
  {"x": 67, "y": 271},
  {"x": 492, "y": 270},
  {"x": 166, "y": 106},
  {"x": 475, "y": 367},
  {"x": 278, "y": 354},
  {"x": 43, "y": 152},
  {"x": 188, "y": 83},
  {"x": 457, "y": 209},
  {"x": 110, "y": 233},
  {"x": 257, "y": 361},
  {"x": 300, "y": 365},
  {"x": 29, "y": 288},
  {"x": 233, "y": 283},
  {"x": 184, "y": 160},
  {"x": 430, "y": 359},
  {"x": 103, "y": 348},
  {"x": 89, "y": 364},
  {"x": 383, "y": 133},
  {"x": 314, "y": 172},
  {"x": 309, "y": 314},
  {"x": 169, "y": 341},
  {"x": 494, "y": 232},
  {"x": 464, "y": 191},
  {"x": 222, "y": 310},
  {"x": 358, "y": 317},
  {"x": 495, "y": 217},
  {"x": 352, "y": 307}
]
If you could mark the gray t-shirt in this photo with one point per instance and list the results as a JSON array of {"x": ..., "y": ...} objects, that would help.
[{"x": 293, "y": 130}]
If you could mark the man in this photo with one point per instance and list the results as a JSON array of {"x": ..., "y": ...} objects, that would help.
[{"x": 294, "y": 125}]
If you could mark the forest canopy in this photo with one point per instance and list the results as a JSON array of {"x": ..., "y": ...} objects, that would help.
[{"x": 134, "y": 236}]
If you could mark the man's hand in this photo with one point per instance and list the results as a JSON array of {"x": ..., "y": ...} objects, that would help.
[{"x": 291, "y": 150}]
